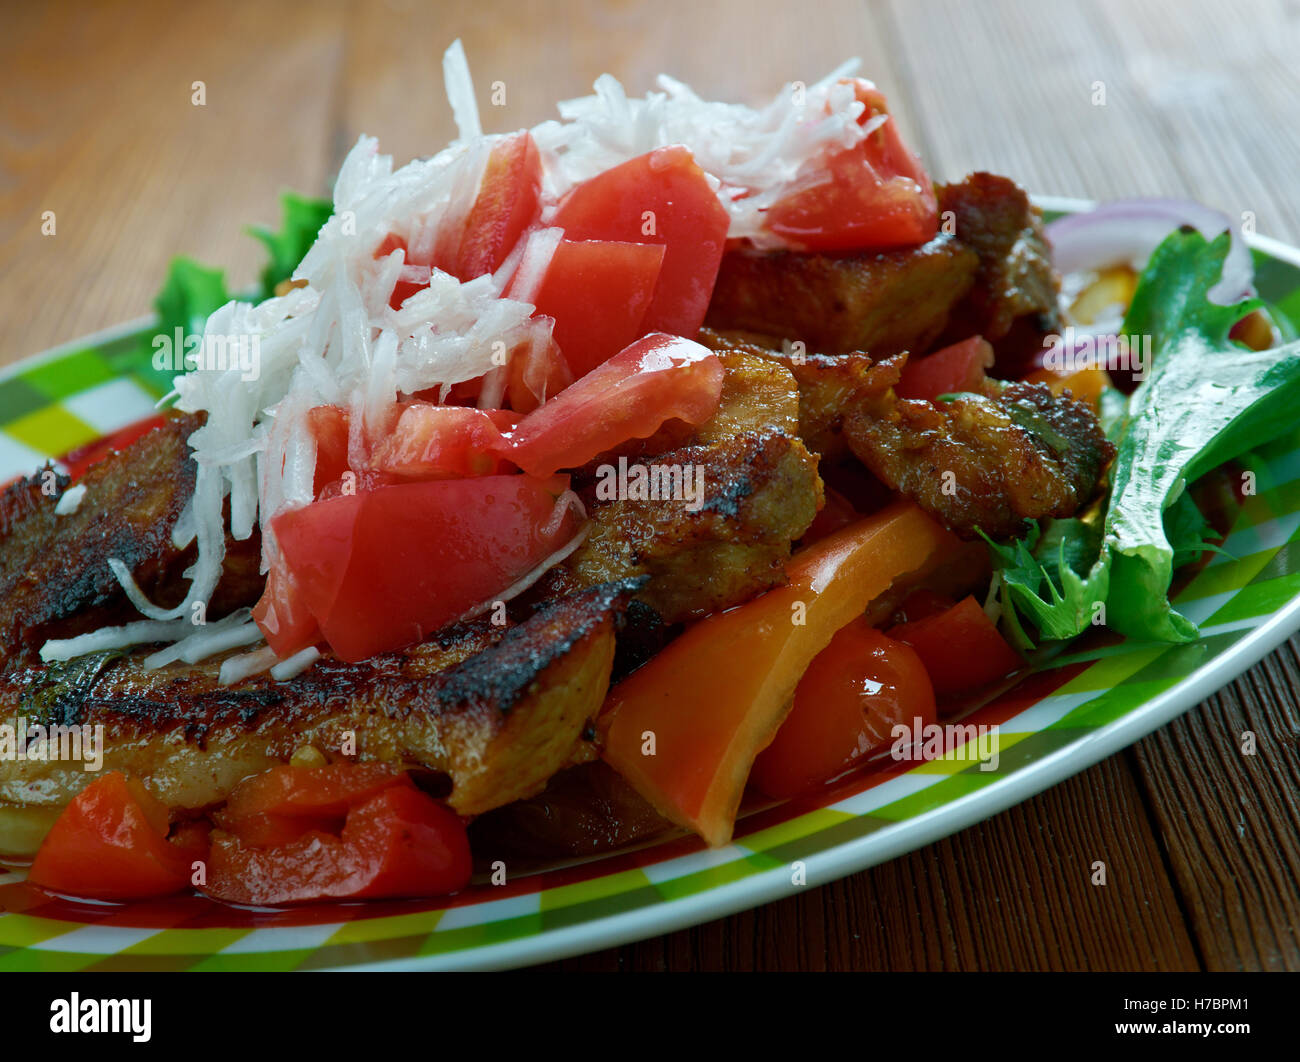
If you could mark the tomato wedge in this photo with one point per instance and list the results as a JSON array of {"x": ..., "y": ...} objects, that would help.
[
  {"x": 397, "y": 843},
  {"x": 432, "y": 442},
  {"x": 280, "y": 805},
  {"x": 662, "y": 197},
  {"x": 509, "y": 200},
  {"x": 845, "y": 708},
  {"x": 381, "y": 569},
  {"x": 282, "y": 615},
  {"x": 537, "y": 372},
  {"x": 629, "y": 397},
  {"x": 960, "y": 647},
  {"x": 872, "y": 196},
  {"x": 110, "y": 843},
  {"x": 598, "y": 291},
  {"x": 960, "y": 367},
  {"x": 329, "y": 427}
]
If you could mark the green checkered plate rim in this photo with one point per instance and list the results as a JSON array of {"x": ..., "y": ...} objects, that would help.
[{"x": 1095, "y": 698}]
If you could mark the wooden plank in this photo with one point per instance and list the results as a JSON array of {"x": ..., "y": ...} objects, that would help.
[
  {"x": 1009, "y": 86},
  {"x": 735, "y": 50},
  {"x": 1229, "y": 819},
  {"x": 108, "y": 139},
  {"x": 1220, "y": 82}
]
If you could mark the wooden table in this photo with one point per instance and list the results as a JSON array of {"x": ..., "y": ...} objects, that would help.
[{"x": 1200, "y": 98}]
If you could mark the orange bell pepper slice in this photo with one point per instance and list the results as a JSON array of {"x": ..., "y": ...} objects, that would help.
[{"x": 684, "y": 729}]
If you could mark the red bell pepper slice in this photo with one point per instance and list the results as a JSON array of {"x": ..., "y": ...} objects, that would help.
[{"x": 111, "y": 843}]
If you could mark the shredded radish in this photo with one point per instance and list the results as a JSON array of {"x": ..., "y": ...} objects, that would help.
[
  {"x": 234, "y": 630},
  {"x": 296, "y": 664},
  {"x": 70, "y": 501},
  {"x": 539, "y": 248},
  {"x": 237, "y": 668},
  {"x": 113, "y": 638},
  {"x": 460, "y": 91},
  {"x": 337, "y": 340}
]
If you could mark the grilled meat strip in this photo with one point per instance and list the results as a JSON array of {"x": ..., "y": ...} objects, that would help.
[
  {"x": 497, "y": 710},
  {"x": 828, "y": 384},
  {"x": 883, "y": 302},
  {"x": 988, "y": 273},
  {"x": 984, "y": 462},
  {"x": 54, "y": 576},
  {"x": 760, "y": 492},
  {"x": 1013, "y": 301}
]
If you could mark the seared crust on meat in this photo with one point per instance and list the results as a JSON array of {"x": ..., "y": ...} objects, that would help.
[
  {"x": 993, "y": 216},
  {"x": 496, "y": 711},
  {"x": 761, "y": 491},
  {"x": 984, "y": 462},
  {"x": 881, "y": 303},
  {"x": 54, "y": 576},
  {"x": 828, "y": 384},
  {"x": 1013, "y": 302}
]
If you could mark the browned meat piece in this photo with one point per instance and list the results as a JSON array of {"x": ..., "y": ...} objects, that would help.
[
  {"x": 758, "y": 394},
  {"x": 984, "y": 462},
  {"x": 496, "y": 710},
  {"x": 828, "y": 384},
  {"x": 1013, "y": 302},
  {"x": 54, "y": 576},
  {"x": 760, "y": 490},
  {"x": 880, "y": 303}
]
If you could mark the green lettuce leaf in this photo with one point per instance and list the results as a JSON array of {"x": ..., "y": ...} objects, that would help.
[
  {"x": 192, "y": 291},
  {"x": 301, "y": 220},
  {"x": 1205, "y": 400}
]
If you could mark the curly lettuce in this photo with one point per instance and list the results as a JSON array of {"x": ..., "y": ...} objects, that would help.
[
  {"x": 1206, "y": 400},
  {"x": 192, "y": 291}
]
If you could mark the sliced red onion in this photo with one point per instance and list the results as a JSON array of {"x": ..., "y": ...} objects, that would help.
[{"x": 1128, "y": 230}]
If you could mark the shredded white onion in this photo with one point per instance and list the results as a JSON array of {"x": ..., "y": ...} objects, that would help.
[{"x": 336, "y": 340}]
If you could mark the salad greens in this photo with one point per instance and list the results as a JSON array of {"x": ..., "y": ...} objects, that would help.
[
  {"x": 1205, "y": 401},
  {"x": 192, "y": 291}
]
